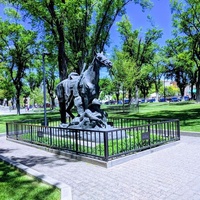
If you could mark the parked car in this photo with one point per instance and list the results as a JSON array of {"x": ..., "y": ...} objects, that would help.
[
  {"x": 110, "y": 102},
  {"x": 186, "y": 98},
  {"x": 141, "y": 100},
  {"x": 126, "y": 101},
  {"x": 151, "y": 100},
  {"x": 162, "y": 99},
  {"x": 120, "y": 102},
  {"x": 174, "y": 99}
]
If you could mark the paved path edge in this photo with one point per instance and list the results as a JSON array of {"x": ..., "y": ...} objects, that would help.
[
  {"x": 66, "y": 193},
  {"x": 106, "y": 164}
]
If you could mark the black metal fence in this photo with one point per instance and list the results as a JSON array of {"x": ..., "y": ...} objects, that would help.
[{"x": 128, "y": 136}]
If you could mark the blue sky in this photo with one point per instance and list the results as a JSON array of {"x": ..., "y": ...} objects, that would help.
[{"x": 160, "y": 13}]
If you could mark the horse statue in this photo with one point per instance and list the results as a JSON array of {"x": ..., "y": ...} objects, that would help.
[{"x": 82, "y": 91}]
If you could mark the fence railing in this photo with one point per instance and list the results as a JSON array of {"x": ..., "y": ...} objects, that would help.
[{"x": 128, "y": 136}]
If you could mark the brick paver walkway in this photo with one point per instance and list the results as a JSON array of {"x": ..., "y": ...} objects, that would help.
[{"x": 171, "y": 173}]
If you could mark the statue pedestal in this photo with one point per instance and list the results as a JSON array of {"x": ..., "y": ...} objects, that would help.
[{"x": 97, "y": 134}]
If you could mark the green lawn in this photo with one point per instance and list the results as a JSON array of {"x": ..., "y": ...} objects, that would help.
[
  {"x": 15, "y": 185},
  {"x": 187, "y": 112},
  {"x": 26, "y": 116}
]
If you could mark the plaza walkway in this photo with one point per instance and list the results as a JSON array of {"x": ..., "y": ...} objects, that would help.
[{"x": 172, "y": 173}]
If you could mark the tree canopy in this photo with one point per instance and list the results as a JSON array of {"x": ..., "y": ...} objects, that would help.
[
  {"x": 75, "y": 27},
  {"x": 186, "y": 20},
  {"x": 17, "y": 49}
]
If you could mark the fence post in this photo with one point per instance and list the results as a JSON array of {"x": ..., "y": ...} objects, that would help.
[
  {"x": 7, "y": 130},
  {"x": 106, "y": 146},
  {"x": 149, "y": 132},
  {"x": 16, "y": 130},
  {"x": 31, "y": 133},
  {"x": 50, "y": 136},
  {"x": 76, "y": 138},
  {"x": 178, "y": 129}
]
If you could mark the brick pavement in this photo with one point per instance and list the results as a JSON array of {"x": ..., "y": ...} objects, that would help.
[{"x": 171, "y": 173}]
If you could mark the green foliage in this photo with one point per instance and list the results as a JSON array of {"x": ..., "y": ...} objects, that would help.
[
  {"x": 123, "y": 69},
  {"x": 12, "y": 13},
  {"x": 7, "y": 89},
  {"x": 157, "y": 71},
  {"x": 186, "y": 23},
  {"x": 34, "y": 78},
  {"x": 171, "y": 90},
  {"x": 106, "y": 87},
  {"x": 132, "y": 63},
  {"x": 180, "y": 64},
  {"x": 36, "y": 97},
  {"x": 17, "y": 45},
  {"x": 75, "y": 37}
]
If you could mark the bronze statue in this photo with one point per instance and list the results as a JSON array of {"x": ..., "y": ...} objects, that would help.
[{"x": 82, "y": 91}]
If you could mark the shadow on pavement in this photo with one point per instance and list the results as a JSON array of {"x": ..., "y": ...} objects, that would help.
[{"x": 31, "y": 161}]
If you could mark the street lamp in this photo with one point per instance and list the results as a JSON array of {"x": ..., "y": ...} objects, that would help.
[
  {"x": 44, "y": 86},
  {"x": 164, "y": 89}
]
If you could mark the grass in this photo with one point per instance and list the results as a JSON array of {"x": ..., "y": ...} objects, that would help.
[
  {"x": 15, "y": 185},
  {"x": 186, "y": 112},
  {"x": 26, "y": 116}
]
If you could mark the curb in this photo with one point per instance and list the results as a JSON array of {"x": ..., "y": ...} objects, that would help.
[
  {"x": 188, "y": 133},
  {"x": 65, "y": 189}
]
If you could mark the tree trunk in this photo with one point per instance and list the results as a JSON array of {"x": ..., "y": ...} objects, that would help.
[
  {"x": 123, "y": 97},
  {"x": 52, "y": 102},
  {"x": 198, "y": 87},
  {"x": 136, "y": 99},
  {"x": 191, "y": 92},
  {"x": 117, "y": 96},
  {"x": 18, "y": 103},
  {"x": 129, "y": 95},
  {"x": 182, "y": 89},
  {"x": 157, "y": 92},
  {"x": 62, "y": 61}
]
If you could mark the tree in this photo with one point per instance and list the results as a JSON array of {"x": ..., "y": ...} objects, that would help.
[
  {"x": 106, "y": 87},
  {"x": 34, "y": 76},
  {"x": 186, "y": 17},
  {"x": 75, "y": 37},
  {"x": 51, "y": 80},
  {"x": 179, "y": 62},
  {"x": 171, "y": 90},
  {"x": 7, "y": 90},
  {"x": 36, "y": 97},
  {"x": 157, "y": 70},
  {"x": 140, "y": 51},
  {"x": 17, "y": 45},
  {"x": 146, "y": 80},
  {"x": 122, "y": 72}
]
